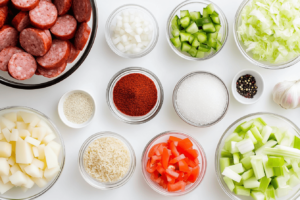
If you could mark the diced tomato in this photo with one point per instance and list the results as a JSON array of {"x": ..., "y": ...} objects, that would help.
[
  {"x": 194, "y": 175},
  {"x": 184, "y": 144},
  {"x": 191, "y": 153},
  {"x": 177, "y": 159},
  {"x": 175, "y": 140},
  {"x": 190, "y": 162},
  {"x": 183, "y": 166},
  {"x": 163, "y": 184},
  {"x": 173, "y": 149},
  {"x": 160, "y": 169},
  {"x": 187, "y": 175},
  {"x": 158, "y": 180},
  {"x": 154, "y": 159},
  {"x": 176, "y": 186},
  {"x": 197, "y": 161},
  {"x": 170, "y": 179},
  {"x": 180, "y": 177},
  {"x": 172, "y": 173},
  {"x": 153, "y": 150},
  {"x": 165, "y": 158},
  {"x": 154, "y": 176},
  {"x": 170, "y": 152},
  {"x": 150, "y": 168}
]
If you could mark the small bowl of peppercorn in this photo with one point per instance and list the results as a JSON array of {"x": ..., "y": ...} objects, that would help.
[{"x": 247, "y": 86}]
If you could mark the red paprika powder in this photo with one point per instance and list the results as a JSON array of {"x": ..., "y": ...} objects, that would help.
[{"x": 135, "y": 95}]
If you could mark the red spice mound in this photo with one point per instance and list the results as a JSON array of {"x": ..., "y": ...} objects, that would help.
[{"x": 135, "y": 95}]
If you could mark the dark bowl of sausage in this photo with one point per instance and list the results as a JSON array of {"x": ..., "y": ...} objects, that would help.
[{"x": 42, "y": 42}]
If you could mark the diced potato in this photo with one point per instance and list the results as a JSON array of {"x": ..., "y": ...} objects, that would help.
[
  {"x": 5, "y": 178},
  {"x": 27, "y": 117},
  {"x": 29, "y": 183},
  {"x": 41, "y": 149},
  {"x": 33, "y": 171},
  {"x": 41, "y": 182},
  {"x": 32, "y": 141},
  {"x": 22, "y": 167},
  {"x": 18, "y": 178},
  {"x": 48, "y": 138},
  {"x": 2, "y": 136},
  {"x": 51, "y": 158},
  {"x": 11, "y": 116},
  {"x": 6, "y": 134},
  {"x": 35, "y": 151},
  {"x": 41, "y": 172},
  {"x": 19, "y": 118},
  {"x": 55, "y": 147},
  {"x": 24, "y": 153},
  {"x": 14, "y": 136},
  {"x": 5, "y": 187},
  {"x": 11, "y": 161},
  {"x": 23, "y": 133},
  {"x": 46, "y": 126},
  {"x": 49, "y": 174},
  {"x": 33, "y": 123},
  {"x": 38, "y": 163},
  {"x": 22, "y": 125},
  {"x": 39, "y": 133},
  {"x": 5, "y": 149},
  {"x": 15, "y": 168},
  {"x": 4, "y": 167},
  {"x": 7, "y": 123}
]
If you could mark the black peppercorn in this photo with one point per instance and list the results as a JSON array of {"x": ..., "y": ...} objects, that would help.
[{"x": 246, "y": 86}]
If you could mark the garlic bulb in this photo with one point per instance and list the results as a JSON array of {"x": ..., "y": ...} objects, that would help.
[{"x": 287, "y": 94}]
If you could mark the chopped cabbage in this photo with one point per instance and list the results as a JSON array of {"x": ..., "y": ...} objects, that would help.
[{"x": 270, "y": 29}]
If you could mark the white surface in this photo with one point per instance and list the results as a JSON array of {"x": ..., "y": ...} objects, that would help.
[{"x": 94, "y": 76}]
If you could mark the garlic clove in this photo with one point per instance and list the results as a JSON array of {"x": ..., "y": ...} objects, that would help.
[
  {"x": 289, "y": 99},
  {"x": 280, "y": 89}
]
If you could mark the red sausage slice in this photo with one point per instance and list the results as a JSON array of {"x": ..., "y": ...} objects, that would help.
[
  {"x": 6, "y": 54},
  {"x": 35, "y": 41},
  {"x": 73, "y": 54},
  {"x": 63, "y": 6},
  {"x": 25, "y": 5},
  {"x": 82, "y": 10},
  {"x": 65, "y": 27},
  {"x": 3, "y": 2},
  {"x": 22, "y": 66},
  {"x": 51, "y": 73},
  {"x": 8, "y": 37},
  {"x": 82, "y": 36},
  {"x": 3, "y": 15},
  {"x": 44, "y": 15},
  {"x": 21, "y": 21},
  {"x": 56, "y": 56}
]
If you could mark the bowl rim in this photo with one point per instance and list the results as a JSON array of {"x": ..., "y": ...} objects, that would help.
[
  {"x": 168, "y": 32},
  {"x": 246, "y": 55},
  {"x": 233, "y": 88},
  {"x": 63, "y": 151},
  {"x": 61, "y": 113},
  {"x": 230, "y": 194},
  {"x": 175, "y": 94},
  {"x": 86, "y": 52}
]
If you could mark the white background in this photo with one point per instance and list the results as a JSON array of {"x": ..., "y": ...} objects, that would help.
[{"x": 94, "y": 75}]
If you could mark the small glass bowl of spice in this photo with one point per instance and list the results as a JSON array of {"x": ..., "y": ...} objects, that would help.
[
  {"x": 134, "y": 95},
  {"x": 106, "y": 160},
  {"x": 76, "y": 108},
  {"x": 247, "y": 86}
]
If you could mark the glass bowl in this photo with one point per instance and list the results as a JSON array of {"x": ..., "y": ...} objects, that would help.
[
  {"x": 174, "y": 99},
  {"x": 35, "y": 192},
  {"x": 126, "y": 118},
  {"x": 269, "y": 118},
  {"x": 163, "y": 137},
  {"x": 196, "y": 5},
  {"x": 111, "y": 21},
  {"x": 38, "y": 82},
  {"x": 248, "y": 55},
  {"x": 95, "y": 183}
]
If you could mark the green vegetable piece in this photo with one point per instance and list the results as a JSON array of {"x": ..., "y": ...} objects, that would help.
[
  {"x": 206, "y": 48},
  {"x": 278, "y": 171},
  {"x": 246, "y": 125},
  {"x": 176, "y": 42},
  {"x": 225, "y": 153},
  {"x": 200, "y": 54},
  {"x": 175, "y": 32},
  {"x": 192, "y": 28},
  {"x": 205, "y": 14},
  {"x": 215, "y": 19},
  {"x": 240, "y": 190},
  {"x": 238, "y": 168},
  {"x": 256, "y": 133},
  {"x": 184, "y": 13},
  {"x": 204, "y": 20},
  {"x": 174, "y": 23},
  {"x": 272, "y": 137},
  {"x": 279, "y": 181},
  {"x": 248, "y": 174},
  {"x": 256, "y": 195},
  {"x": 210, "y": 9},
  {"x": 268, "y": 170},
  {"x": 270, "y": 193},
  {"x": 193, "y": 51},
  {"x": 224, "y": 162},
  {"x": 212, "y": 43},
  {"x": 185, "y": 22},
  {"x": 274, "y": 161},
  {"x": 184, "y": 37},
  {"x": 296, "y": 142},
  {"x": 251, "y": 183},
  {"x": 264, "y": 183},
  {"x": 258, "y": 145},
  {"x": 215, "y": 13},
  {"x": 185, "y": 46},
  {"x": 258, "y": 169},
  {"x": 239, "y": 128},
  {"x": 217, "y": 27},
  {"x": 191, "y": 39},
  {"x": 195, "y": 43},
  {"x": 251, "y": 137},
  {"x": 229, "y": 183},
  {"x": 236, "y": 158},
  {"x": 246, "y": 163},
  {"x": 202, "y": 37},
  {"x": 195, "y": 16},
  {"x": 212, "y": 35}
]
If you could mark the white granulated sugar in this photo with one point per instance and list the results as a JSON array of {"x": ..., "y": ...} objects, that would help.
[
  {"x": 78, "y": 108},
  {"x": 202, "y": 98}
]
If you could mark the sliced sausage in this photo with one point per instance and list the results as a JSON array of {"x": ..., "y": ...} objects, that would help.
[
  {"x": 47, "y": 1},
  {"x": 35, "y": 41},
  {"x": 3, "y": 15},
  {"x": 56, "y": 56},
  {"x": 3, "y": 2},
  {"x": 82, "y": 36},
  {"x": 51, "y": 73},
  {"x": 8, "y": 37},
  {"x": 48, "y": 35},
  {"x": 63, "y": 6},
  {"x": 44, "y": 15},
  {"x": 82, "y": 10},
  {"x": 22, "y": 66},
  {"x": 25, "y": 5},
  {"x": 6, "y": 54},
  {"x": 21, "y": 21},
  {"x": 73, "y": 54},
  {"x": 65, "y": 27}
]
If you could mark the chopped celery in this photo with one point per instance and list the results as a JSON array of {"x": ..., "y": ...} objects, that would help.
[
  {"x": 258, "y": 169},
  {"x": 274, "y": 161},
  {"x": 264, "y": 183},
  {"x": 256, "y": 133},
  {"x": 246, "y": 162},
  {"x": 224, "y": 162},
  {"x": 293, "y": 181},
  {"x": 296, "y": 142},
  {"x": 231, "y": 174},
  {"x": 246, "y": 126},
  {"x": 268, "y": 170},
  {"x": 234, "y": 148},
  {"x": 270, "y": 143},
  {"x": 257, "y": 195},
  {"x": 236, "y": 158},
  {"x": 283, "y": 191},
  {"x": 266, "y": 132},
  {"x": 238, "y": 168},
  {"x": 225, "y": 153},
  {"x": 245, "y": 146},
  {"x": 248, "y": 174},
  {"x": 284, "y": 151},
  {"x": 278, "y": 182},
  {"x": 287, "y": 139},
  {"x": 239, "y": 128},
  {"x": 278, "y": 171},
  {"x": 251, "y": 183},
  {"x": 240, "y": 190},
  {"x": 270, "y": 193},
  {"x": 295, "y": 166},
  {"x": 229, "y": 183},
  {"x": 258, "y": 145},
  {"x": 250, "y": 136},
  {"x": 250, "y": 153}
]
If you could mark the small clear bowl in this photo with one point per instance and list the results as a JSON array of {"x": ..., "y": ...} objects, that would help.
[
  {"x": 249, "y": 55},
  {"x": 35, "y": 192},
  {"x": 270, "y": 119},
  {"x": 163, "y": 137},
  {"x": 174, "y": 99},
  {"x": 126, "y": 118},
  {"x": 196, "y": 5},
  {"x": 111, "y": 21},
  {"x": 95, "y": 183}
]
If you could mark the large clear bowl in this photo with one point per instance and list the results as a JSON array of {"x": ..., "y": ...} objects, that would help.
[
  {"x": 271, "y": 119},
  {"x": 38, "y": 82},
  {"x": 16, "y": 193},
  {"x": 196, "y": 5}
]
